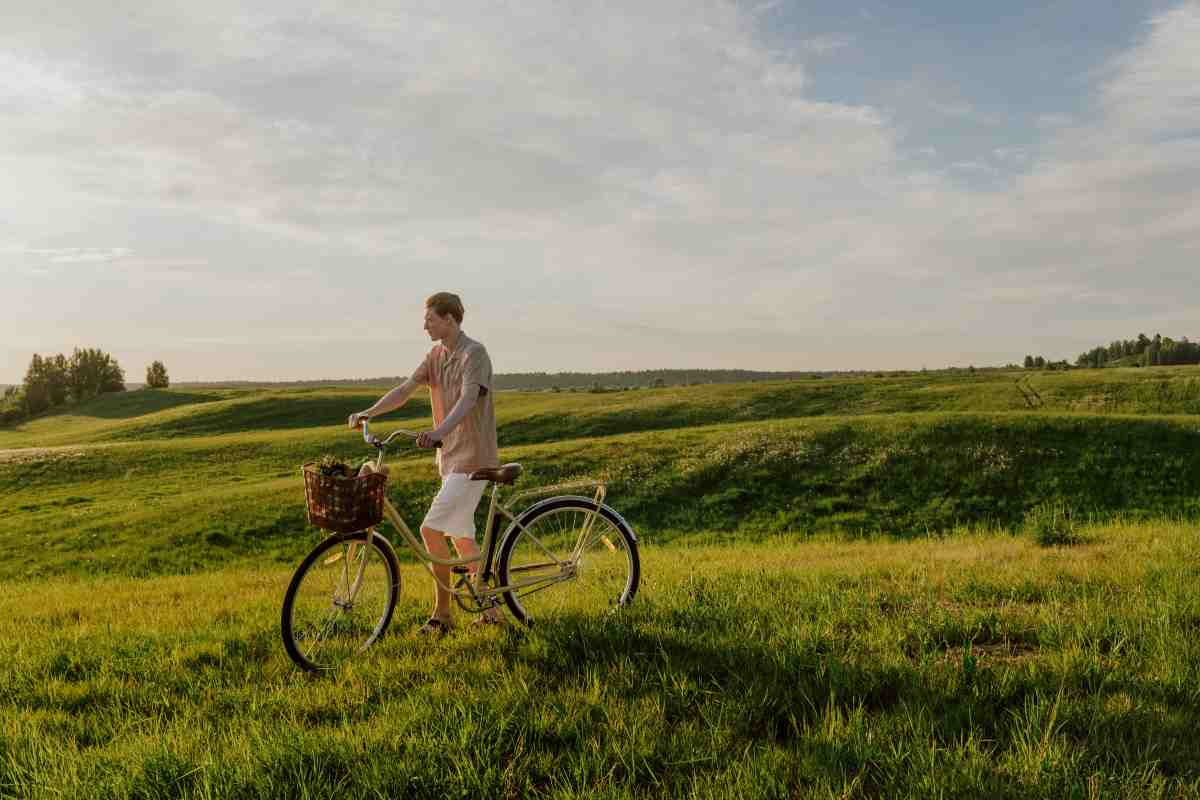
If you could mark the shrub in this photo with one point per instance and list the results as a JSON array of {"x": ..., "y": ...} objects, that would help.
[{"x": 1052, "y": 524}]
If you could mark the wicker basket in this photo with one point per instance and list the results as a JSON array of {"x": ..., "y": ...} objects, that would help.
[{"x": 343, "y": 505}]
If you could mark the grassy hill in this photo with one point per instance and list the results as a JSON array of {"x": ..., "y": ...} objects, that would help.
[
  {"x": 525, "y": 417},
  {"x": 175, "y": 481},
  {"x": 832, "y": 603}
]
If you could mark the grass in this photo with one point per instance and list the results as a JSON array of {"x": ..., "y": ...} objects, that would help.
[
  {"x": 527, "y": 418},
  {"x": 901, "y": 586},
  {"x": 970, "y": 665},
  {"x": 199, "y": 502}
]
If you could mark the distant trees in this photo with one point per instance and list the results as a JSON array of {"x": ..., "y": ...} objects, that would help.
[
  {"x": 585, "y": 381},
  {"x": 1142, "y": 352},
  {"x": 156, "y": 376},
  {"x": 93, "y": 372},
  {"x": 1040, "y": 362},
  {"x": 39, "y": 378},
  {"x": 51, "y": 380},
  {"x": 12, "y": 405}
]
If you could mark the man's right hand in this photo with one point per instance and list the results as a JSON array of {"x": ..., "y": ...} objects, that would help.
[{"x": 356, "y": 419}]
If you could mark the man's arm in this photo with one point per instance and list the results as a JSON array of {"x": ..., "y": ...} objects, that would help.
[
  {"x": 463, "y": 407},
  {"x": 460, "y": 410},
  {"x": 397, "y": 396},
  {"x": 389, "y": 402}
]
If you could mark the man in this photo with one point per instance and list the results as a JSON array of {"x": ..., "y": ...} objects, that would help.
[{"x": 458, "y": 373}]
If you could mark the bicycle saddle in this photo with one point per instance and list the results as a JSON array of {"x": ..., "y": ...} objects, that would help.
[{"x": 506, "y": 474}]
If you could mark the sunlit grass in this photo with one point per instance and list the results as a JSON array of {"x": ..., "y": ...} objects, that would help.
[
  {"x": 974, "y": 665},
  {"x": 840, "y": 597},
  {"x": 197, "y": 503}
]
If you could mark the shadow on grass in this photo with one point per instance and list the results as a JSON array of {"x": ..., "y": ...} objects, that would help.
[
  {"x": 784, "y": 691},
  {"x": 124, "y": 405},
  {"x": 278, "y": 412}
]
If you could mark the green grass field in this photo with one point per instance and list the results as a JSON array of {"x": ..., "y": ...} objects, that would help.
[{"x": 843, "y": 595}]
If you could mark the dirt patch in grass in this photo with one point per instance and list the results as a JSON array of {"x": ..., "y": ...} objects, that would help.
[
  {"x": 1007, "y": 653},
  {"x": 30, "y": 455}
]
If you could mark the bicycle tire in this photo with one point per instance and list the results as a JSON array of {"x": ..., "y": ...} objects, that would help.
[
  {"x": 609, "y": 566},
  {"x": 318, "y": 622}
]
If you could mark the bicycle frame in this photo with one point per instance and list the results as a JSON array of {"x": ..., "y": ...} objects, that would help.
[{"x": 476, "y": 587}]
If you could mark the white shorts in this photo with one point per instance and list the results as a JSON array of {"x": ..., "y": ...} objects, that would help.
[{"x": 453, "y": 508}]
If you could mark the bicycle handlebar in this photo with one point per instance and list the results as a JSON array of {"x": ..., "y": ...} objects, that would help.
[{"x": 375, "y": 441}]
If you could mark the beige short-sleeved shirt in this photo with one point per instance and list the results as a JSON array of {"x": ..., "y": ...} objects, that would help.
[{"x": 448, "y": 374}]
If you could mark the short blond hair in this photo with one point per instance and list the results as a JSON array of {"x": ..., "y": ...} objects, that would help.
[{"x": 444, "y": 303}]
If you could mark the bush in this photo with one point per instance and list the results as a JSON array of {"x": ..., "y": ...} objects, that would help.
[{"x": 1052, "y": 524}]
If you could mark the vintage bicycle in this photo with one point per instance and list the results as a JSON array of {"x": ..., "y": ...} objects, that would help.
[{"x": 563, "y": 554}]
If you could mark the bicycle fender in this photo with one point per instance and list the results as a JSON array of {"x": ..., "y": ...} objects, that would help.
[{"x": 603, "y": 507}]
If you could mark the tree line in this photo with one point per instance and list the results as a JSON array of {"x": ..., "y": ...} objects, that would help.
[
  {"x": 628, "y": 379},
  {"x": 54, "y": 380},
  {"x": 1142, "y": 352},
  {"x": 1040, "y": 362}
]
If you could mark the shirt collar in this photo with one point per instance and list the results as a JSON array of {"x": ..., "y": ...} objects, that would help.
[{"x": 459, "y": 345}]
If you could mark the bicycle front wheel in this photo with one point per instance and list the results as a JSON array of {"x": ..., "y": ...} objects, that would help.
[
  {"x": 567, "y": 555},
  {"x": 340, "y": 600}
]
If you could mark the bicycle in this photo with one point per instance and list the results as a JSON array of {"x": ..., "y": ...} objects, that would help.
[{"x": 341, "y": 598}]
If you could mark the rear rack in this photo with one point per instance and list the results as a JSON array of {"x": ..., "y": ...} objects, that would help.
[{"x": 583, "y": 483}]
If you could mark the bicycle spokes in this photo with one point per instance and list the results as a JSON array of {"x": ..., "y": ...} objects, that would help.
[
  {"x": 340, "y": 601},
  {"x": 566, "y": 559}
]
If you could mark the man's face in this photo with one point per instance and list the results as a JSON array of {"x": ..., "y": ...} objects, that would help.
[{"x": 436, "y": 326}]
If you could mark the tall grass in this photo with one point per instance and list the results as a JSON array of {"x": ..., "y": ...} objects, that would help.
[{"x": 970, "y": 666}]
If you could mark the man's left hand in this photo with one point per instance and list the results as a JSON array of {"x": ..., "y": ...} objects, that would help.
[{"x": 426, "y": 440}]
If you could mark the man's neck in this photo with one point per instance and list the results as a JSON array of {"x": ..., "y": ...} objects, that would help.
[{"x": 450, "y": 341}]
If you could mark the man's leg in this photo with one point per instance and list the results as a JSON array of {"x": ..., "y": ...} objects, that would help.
[
  {"x": 452, "y": 508},
  {"x": 435, "y": 543},
  {"x": 466, "y": 549}
]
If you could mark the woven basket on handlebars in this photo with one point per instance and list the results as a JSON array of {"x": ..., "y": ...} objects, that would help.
[{"x": 343, "y": 505}]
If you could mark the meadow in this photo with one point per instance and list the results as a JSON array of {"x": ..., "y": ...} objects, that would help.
[{"x": 901, "y": 586}]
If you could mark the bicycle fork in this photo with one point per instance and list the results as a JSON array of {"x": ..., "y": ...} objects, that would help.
[{"x": 346, "y": 602}]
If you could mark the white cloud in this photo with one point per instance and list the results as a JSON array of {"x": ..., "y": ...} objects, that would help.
[
  {"x": 826, "y": 43},
  {"x": 1010, "y": 154},
  {"x": 70, "y": 255},
  {"x": 560, "y": 162}
]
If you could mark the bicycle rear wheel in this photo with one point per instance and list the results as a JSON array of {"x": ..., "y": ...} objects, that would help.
[
  {"x": 340, "y": 600},
  {"x": 569, "y": 555}
]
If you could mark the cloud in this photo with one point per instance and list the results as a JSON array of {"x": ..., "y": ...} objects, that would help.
[
  {"x": 1010, "y": 154},
  {"x": 71, "y": 255},
  {"x": 621, "y": 168},
  {"x": 826, "y": 43},
  {"x": 1111, "y": 207}
]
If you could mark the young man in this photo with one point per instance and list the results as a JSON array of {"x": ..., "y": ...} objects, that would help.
[{"x": 458, "y": 373}]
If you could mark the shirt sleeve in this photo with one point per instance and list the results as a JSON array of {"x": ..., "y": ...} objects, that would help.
[
  {"x": 422, "y": 374},
  {"x": 477, "y": 373}
]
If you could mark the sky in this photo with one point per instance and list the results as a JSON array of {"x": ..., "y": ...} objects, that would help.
[{"x": 269, "y": 192}]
